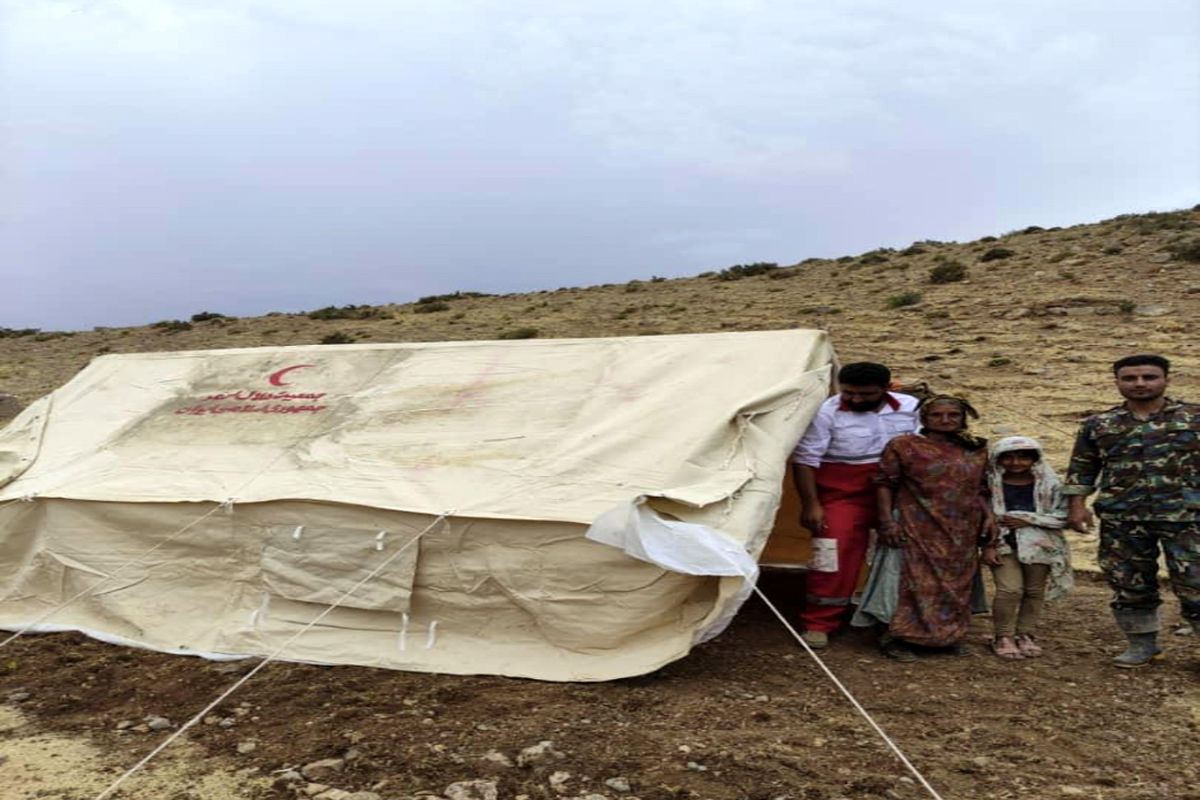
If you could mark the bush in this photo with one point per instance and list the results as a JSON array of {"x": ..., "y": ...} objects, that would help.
[
  {"x": 337, "y": 337},
  {"x": 431, "y": 307},
  {"x": 914, "y": 249},
  {"x": 989, "y": 239},
  {"x": 519, "y": 333},
  {"x": 172, "y": 325},
  {"x": 205, "y": 316},
  {"x": 873, "y": 257},
  {"x": 903, "y": 299},
  {"x": 996, "y": 253},
  {"x": 948, "y": 272},
  {"x": 14, "y": 333},
  {"x": 439, "y": 298},
  {"x": 1126, "y": 306},
  {"x": 999, "y": 361},
  {"x": 1033, "y": 229},
  {"x": 345, "y": 312},
  {"x": 739, "y": 271},
  {"x": 1159, "y": 221},
  {"x": 1113, "y": 250},
  {"x": 1185, "y": 250},
  {"x": 782, "y": 274}
]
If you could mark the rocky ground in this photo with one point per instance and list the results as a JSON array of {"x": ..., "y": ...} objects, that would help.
[{"x": 1026, "y": 333}]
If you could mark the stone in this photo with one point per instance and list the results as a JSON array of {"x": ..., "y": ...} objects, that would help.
[
  {"x": 1071, "y": 791},
  {"x": 333, "y": 794},
  {"x": 325, "y": 768},
  {"x": 227, "y": 722},
  {"x": 1193, "y": 288},
  {"x": 247, "y": 747},
  {"x": 125, "y": 723},
  {"x": 1004, "y": 430},
  {"x": 618, "y": 784},
  {"x": 558, "y": 781},
  {"x": 18, "y": 696},
  {"x": 1159, "y": 258},
  {"x": 471, "y": 790},
  {"x": 211, "y": 719},
  {"x": 363, "y": 796},
  {"x": 696, "y": 766},
  {"x": 1152, "y": 311},
  {"x": 158, "y": 723},
  {"x": 314, "y": 789},
  {"x": 938, "y": 324},
  {"x": 9, "y": 406},
  {"x": 1018, "y": 313},
  {"x": 537, "y": 753},
  {"x": 497, "y": 758}
]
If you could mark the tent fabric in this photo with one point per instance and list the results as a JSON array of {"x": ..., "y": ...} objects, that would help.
[{"x": 218, "y": 501}]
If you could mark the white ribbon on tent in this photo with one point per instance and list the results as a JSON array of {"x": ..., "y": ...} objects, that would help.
[{"x": 684, "y": 547}]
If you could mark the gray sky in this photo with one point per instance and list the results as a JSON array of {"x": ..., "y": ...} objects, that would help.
[{"x": 164, "y": 157}]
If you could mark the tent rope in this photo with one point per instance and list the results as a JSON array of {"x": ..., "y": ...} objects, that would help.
[
  {"x": 272, "y": 657},
  {"x": 829, "y": 673}
]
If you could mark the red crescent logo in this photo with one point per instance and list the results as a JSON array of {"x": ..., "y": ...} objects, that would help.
[{"x": 276, "y": 378}]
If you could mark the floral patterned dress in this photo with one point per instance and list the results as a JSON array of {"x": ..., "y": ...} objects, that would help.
[{"x": 939, "y": 487}]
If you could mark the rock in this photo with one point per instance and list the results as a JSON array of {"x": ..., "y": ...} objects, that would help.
[
  {"x": 981, "y": 761},
  {"x": 537, "y": 753},
  {"x": 125, "y": 723},
  {"x": 1056, "y": 311},
  {"x": 1075, "y": 311},
  {"x": 18, "y": 696},
  {"x": 211, "y": 719},
  {"x": 9, "y": 406},
  {"x": 1034, "y": 371},
  {"x": 497, "y": 758},
  {"x": 363, "y": 796},
  {"x": 158, "y": 723},
  {"x": 314, "y": 789},
  {"x": 290, "y": 775},
  {"x": 762, "y": 698},
  {"x": 471, "y": 790},
  {"x": 1159, "y": 258},
  {"x": 227, "y": 722},
  {"x": 1152, "y": 311},
  {"x": 696, "y": 766},
  {"x": 247, "y": 747},
  {"x": 590, "y": 797},
  {"x": 333, "y": 794},
  {"x": 1004, "y": 430},
  {"x": 619, "y": 784},
  {"x": 558, "y": 781},
  {"x": 1071, "y": 791},
  {"x": 1193, "y": 288},
  {"x": 325, "y": 768},
  {"x": 938, "y": 324}
]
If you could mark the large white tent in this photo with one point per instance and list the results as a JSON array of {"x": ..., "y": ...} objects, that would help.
[{"x": 573, "y": 509}]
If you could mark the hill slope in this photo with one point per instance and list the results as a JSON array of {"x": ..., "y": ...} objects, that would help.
[{"x": 1028, "y": 333}]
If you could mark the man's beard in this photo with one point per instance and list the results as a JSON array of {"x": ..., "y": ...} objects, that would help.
[{"x": 861, "y": 407}]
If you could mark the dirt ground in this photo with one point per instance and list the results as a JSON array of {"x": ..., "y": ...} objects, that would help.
[{"x": 748, "y": 716}]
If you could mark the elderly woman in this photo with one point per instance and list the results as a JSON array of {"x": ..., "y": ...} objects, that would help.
[{"x": 933, "y": 512}]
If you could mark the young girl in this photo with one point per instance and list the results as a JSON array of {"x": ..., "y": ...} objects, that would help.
[{"x": 1035, "y": 564}]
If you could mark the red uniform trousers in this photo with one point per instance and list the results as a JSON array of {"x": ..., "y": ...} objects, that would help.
[{"x": 847, "y": 494}]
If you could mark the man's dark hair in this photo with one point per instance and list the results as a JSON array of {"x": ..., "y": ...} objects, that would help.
[
  {"x": 865, "y": 373},
  {"x": 1142, "y": 360}
]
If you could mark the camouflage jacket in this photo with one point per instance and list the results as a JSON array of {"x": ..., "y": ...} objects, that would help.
[{"x": 1146, "y": 469}]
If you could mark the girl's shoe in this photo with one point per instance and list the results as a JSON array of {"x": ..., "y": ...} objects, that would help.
[
  {"x": 1006, "y": 647},
  {"x": 1028, "y": 647}
]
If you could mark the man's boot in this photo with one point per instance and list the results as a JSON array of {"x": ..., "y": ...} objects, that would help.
[{"x": 1141, "y": 629}]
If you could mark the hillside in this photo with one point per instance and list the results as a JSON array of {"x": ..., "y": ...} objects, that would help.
[{"x": 1027, "y": 333}]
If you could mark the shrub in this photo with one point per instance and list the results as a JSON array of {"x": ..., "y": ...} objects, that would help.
[
  {"x": 205, "y": 316},
  {"x": 999, "y": 361},
  {"x": 1160, "y": 221},
  {"x": 346, "y": 312},
  {"x": 903, "y": 299},
  {"x": 520, "y": 333},
  {"x": 1126, "y": 306},
  {"x": 996, "y": 253},
  {"x": 337, "y": 337},
  {"x": 14, "y": 333},
  {"x": 1033, "y": 229},
  {"x": 914, "y": 249},
  {"x": 431, "y": 307},
  {"x": 989, "y": 239},
  {"x": 739, "y": 271},
  {"x": 1188, "y": 250},
  {"x": 438, "y": 298},
  {"x": 657, "y": 279},
  {"x": 1113, "y": 250},
  {"x": 781, "y": 274},
  {"x": 172, "y": 325},
  {"x": 948, "y": 272},
  {"x": 873, "y": 257}
]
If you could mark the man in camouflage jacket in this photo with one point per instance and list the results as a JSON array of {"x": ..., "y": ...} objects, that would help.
[{"x": 1145, "y": 456}]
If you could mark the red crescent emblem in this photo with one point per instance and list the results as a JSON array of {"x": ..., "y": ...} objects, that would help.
[{"x": 276, "y": 378}]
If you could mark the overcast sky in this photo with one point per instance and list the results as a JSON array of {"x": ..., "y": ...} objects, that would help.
[{"x": 164, "y": 157}]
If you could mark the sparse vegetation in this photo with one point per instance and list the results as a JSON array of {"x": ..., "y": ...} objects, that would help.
[
  {"x": 347, "y": 312},
  {"x": 997, "y": 253},
  {"x": 172, "y": 325},
  {"x": 520, "y": 333},
  {"x": 338, "y": 337},
  {"x": 1185, "y": 250},
  {"x": 903, "y": 299},
  {"x": 205, "y": 316},
  {"x": 999, "y": 361},
  {"x": 1126, "y": 306},
  {"x": 431, "y": 307},
  {"x": 873, "y": 257},
  {"x": 739, "y": 271},
  {"x": 948, "y": 272},
  {"x": 14, "y": 333}
]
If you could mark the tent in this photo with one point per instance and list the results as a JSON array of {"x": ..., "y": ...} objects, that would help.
[{"x": 571, "y": 509}]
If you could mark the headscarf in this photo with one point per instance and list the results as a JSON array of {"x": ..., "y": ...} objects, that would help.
[
  {"x": 1042, "y": 541},
  {"x": 968, "y": 441}
]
